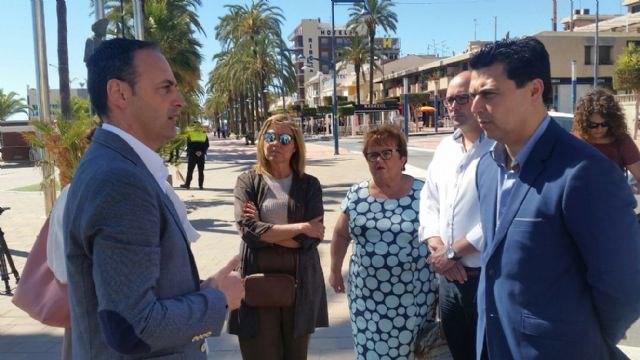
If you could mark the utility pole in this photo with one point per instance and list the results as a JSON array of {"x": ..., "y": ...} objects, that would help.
[
  {"x": 475, "y": 28},
  {"x": 571, "y": 17},
  {"x": 42, "y": 75},
  {"x": 495, "y": 28},
  {"x": 596, "y": 47},
  {"x": 554, "y": 19}
]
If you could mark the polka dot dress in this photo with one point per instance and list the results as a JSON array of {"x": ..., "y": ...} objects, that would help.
[{"x": 390, "y": 284}]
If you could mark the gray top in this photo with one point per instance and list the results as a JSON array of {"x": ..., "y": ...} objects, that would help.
[{"x": 274, "y": 208}]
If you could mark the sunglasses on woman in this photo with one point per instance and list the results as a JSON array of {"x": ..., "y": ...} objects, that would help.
[
  {"x": 284, "y": 139},
  {"x": 595, "y": 125}
]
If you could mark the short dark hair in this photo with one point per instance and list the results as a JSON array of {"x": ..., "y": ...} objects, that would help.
[
  {"x": 523, "y": 59},
  {"x": 113, "y": 59}
]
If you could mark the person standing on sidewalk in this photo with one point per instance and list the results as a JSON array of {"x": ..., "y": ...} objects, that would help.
[
  {"x": 197, "y": 145},
  {"x": 134, "y": 288},
  {"x": 391, "y": 287},
  {"x": 450, "y": 219},
  {"x": 279, "y": 213},
  {"x": 561, "y": 262}
]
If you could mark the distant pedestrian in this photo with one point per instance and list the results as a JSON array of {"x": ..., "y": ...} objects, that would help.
[
  {"x": 197, "y": 146},
  {"x": 218, "y": 132},
  {"x": 391, "y": 287},
  {"x": 279, "y": 212},
  {"x": 558, "y": 281}
]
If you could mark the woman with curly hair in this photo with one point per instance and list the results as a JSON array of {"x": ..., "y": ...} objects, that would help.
[{"x": 599, "y": 120}]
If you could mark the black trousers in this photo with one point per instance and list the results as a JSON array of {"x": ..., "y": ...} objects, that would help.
[
  {"x": 193, "y": 161},
  {"x": 459, "y": 314}
]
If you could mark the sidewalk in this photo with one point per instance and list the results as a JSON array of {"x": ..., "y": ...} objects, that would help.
[{"x": 211, "y": 212}]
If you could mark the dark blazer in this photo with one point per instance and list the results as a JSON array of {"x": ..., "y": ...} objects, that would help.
[
  {"x": 561, "y": 271},
  {"x": 305, "y": 203},
  {"x": 133, "y": 283}
]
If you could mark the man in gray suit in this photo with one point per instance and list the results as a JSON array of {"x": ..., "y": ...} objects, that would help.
[{"x": 134, "y": 287}]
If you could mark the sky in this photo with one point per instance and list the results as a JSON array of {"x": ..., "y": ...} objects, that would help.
[{"x": 424, "y": 26}]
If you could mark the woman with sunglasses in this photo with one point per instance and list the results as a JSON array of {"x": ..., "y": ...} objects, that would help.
[
  {"x": 279, "y": 212},
  {"x": 391, "y": 287},
  {"x": 599, "y": 120}
]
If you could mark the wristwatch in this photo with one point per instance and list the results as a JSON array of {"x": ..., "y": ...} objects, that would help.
[{"x": 451, "y": 254}]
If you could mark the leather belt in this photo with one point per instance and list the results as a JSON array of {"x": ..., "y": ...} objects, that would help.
[{"x": 472, "y": 272}]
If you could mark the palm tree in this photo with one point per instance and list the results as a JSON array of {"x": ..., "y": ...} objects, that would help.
[
  {"x": 63, "y": 60},
  {"x": 356, "y": 53},
  {"x": 249, "y": 62},
  {"x": 10, "y": 104},
  {"x": 377, "y": 13}
]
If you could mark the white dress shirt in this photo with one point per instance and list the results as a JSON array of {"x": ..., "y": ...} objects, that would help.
[{"x": 449, "y": 206}]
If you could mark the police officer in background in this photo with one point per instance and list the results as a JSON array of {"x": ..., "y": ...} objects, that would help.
[{"x": 197, "y": 145}]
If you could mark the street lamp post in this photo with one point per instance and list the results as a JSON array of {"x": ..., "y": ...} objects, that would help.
[
  {"x": 334, "y": 105},
  {"x": 596, "y": 48}
]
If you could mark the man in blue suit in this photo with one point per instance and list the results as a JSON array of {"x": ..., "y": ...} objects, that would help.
[
  {"x": 134, "y": 287},
  {"x": 561, "y": 264}
]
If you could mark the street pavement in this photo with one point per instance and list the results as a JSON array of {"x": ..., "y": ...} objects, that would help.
[{"x": 211, "y": 213}]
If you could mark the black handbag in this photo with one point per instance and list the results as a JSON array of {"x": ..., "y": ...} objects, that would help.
[
  {"x": 430, "y": 339},
  {"x": 275, "y": 284},
  {"x": 269, "y": 290}
]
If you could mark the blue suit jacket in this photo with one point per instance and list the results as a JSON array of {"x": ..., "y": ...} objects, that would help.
[
  {"x": 133, "y": 284},
  {"x": 561, "y": 271}
]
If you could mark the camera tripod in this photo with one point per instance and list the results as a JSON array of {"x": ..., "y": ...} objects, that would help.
[{"x": 4, "y": 271}]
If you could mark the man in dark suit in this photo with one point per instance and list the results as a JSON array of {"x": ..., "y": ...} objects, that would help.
[
  {"x": 134, "y": 287},
  {"x": 561, "y": 263}
]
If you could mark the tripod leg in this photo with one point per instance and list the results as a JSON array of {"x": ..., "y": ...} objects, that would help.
[
  {"x": 15, "y": 272},
  {"x": 4, "y": 273}
]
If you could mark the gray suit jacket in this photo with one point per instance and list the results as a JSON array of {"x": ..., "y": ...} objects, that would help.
[{"x": 133, "y": 283}]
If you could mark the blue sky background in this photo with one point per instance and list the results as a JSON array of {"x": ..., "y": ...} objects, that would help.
[{"x": 446, "y": 25}]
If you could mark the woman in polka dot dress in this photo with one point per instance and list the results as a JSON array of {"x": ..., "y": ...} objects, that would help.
[{"x": 391, "y": 288}]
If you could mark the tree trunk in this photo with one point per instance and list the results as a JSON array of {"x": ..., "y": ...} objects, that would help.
[
  {"x": 358, "y": 116},
  {"x": 372, "y": 36},
  {"x": 63, "y": 60},
  {"x": 635, "y": 120}
]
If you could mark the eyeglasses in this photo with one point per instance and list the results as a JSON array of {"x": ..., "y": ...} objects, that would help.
[
  {"x": 460, "y": 99},
  {"x": 384, "y": 154},
  {"x": 595, "y": 125},
  {"x": 284, "y": 139}
]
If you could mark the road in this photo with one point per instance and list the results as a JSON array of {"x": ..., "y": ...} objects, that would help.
[{"x": 419, "y": 157}]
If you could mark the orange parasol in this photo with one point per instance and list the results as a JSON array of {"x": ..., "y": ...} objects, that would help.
[{"x": 427, "y": 109}]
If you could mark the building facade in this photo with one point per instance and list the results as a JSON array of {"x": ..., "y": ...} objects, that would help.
[
  {"x": 313, "y": 39},
  {"x": 54, "y": 100}
]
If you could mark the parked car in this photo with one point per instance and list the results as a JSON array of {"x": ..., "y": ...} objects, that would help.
[{"x": 563, "y": 119}]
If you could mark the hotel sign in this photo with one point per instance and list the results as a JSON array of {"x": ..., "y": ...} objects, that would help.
[{"x": 376, "y": 107}]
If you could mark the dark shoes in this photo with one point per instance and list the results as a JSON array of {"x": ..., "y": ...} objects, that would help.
[{"x": 185, "y": 186}]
